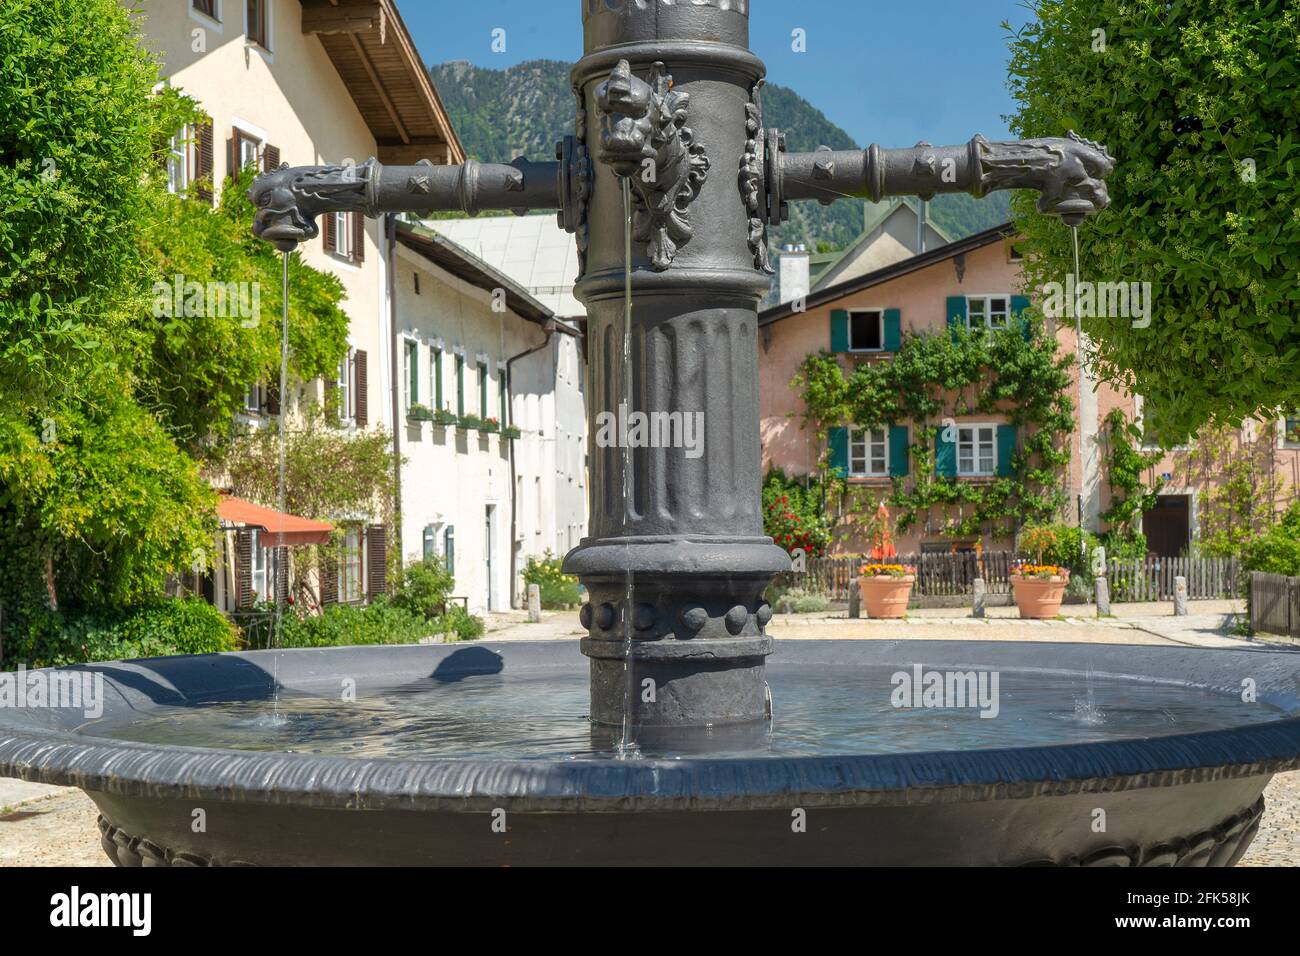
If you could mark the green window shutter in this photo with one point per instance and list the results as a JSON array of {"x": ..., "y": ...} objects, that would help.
[
  {"x": 1019, "y": 305},
  {"x": 838, "y": 439},
  {"x": 839, "y": 330},
  {"x": 482, "y": 390},
  {"x": 1006, "y": 449},
  {"x": 436, "y": 360},
  {"x": 898, "y": 451},
  {"x": 945, "y": 456},
  {"x": 893, "y": 330},
  {"x": 460, "y": 385},
  {"x": 956, "y": 314}
]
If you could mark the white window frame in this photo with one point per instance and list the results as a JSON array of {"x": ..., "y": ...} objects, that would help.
[
  {"x": 410, "y": 368},
  {"x": 975, "y": 443},
  {"x": 343, "y": 236},
  {"x": 1284, "y": 439},
  {"x": 986, "y": 302},
  {"x": 351, "y": 589},
  {"x": 180, "y": 161},
  {"x": 260, "y": 576},
  {"x": 873, "y": 465},
  {"x": 880, "y": 324},
  {"x": 1139, "y": 419},
  {"x": 200, "y": 17},
  {"x": 344, "y": 382},
  {"x": 267, "y": 49},
  {"x": 256, "y": 391},
  {"x": 248, "y": 133}
]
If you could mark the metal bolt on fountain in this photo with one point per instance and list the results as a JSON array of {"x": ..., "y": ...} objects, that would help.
[{"x": 668, "y": 111}]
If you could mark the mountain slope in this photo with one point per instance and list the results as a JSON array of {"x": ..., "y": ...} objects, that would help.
[{"x": 500, "y": 114}]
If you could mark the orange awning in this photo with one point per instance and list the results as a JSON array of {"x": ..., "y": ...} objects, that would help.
[{"x": 282, "y": 530}]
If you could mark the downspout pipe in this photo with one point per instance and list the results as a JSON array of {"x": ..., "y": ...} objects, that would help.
[
  {"x": 390, "y": 257},
  {"x": 549, "y": 330}
]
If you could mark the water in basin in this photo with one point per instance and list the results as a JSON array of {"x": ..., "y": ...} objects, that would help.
[{"x": 818, "y": 712}]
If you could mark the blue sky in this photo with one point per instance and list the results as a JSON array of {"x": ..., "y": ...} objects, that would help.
[{"x": 887, "y": 71}]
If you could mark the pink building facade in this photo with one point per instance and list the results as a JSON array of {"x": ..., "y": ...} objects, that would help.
[{"x": 978, "y": 281}]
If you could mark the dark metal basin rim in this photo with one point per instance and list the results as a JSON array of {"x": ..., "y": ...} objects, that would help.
[{"x": 45, "y": 745}]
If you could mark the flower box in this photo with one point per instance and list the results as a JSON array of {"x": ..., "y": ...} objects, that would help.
[
  {"x": 418, "y": 413},
  {"x": 1039, "y": 589},
  {"x": 511, "y": 431},
  {"x": 886, "y": 588},
  {"x": 445, "y": 418},
  {"x": 470, "y": 422}
]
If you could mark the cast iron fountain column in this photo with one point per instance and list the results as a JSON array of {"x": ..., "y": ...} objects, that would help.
[
  {"x": 668, "y": 103},
  {"x": 676, "y": 562}
]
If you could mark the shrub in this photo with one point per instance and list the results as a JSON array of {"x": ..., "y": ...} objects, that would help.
[
  {"x": 158, "y": 629},
  {"x": 799, "y": 601},
  {"x": 1278, "y": 550},
  {"x": 1060, "y": 544},
  {"x": 423, "y": 587},
  {"x": 466, "y": 626},
  {"x": 794, "y": 513},
  {"x": 559, "y": 590},
  {"x": 345, "y": 624}
]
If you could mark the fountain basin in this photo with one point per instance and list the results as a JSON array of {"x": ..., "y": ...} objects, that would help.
[{"x": 520, "y": 793}]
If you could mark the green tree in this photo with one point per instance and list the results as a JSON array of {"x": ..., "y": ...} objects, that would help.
[
  {"x": 1198, "y": 101},
  {"x": 97, "y": 502}
]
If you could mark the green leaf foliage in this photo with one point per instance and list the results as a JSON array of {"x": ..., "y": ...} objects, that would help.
[{"x": 1197, "y": 100}]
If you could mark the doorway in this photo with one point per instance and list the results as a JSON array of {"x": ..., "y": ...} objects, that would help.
[
  {"x": 1168, "y": 525},
  {"x": 488, "y": 522}
]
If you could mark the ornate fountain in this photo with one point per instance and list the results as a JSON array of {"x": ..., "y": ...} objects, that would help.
[{"x": 669, "y": 121}]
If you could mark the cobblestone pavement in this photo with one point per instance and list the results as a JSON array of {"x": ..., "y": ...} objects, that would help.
[{"x": 60, "y": 829}]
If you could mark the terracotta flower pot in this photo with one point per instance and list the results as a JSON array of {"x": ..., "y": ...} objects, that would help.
[
  {"x": 885, "y": 596},
  {"x": 1039, "y": 598}
]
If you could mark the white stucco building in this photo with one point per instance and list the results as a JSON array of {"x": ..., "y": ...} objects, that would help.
[{"x": 550, "y": 401}]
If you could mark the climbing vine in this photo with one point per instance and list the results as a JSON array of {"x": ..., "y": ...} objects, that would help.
[
  {"x": 1129, "y": 495},
  {"x": 1238, "y": 473},
  {"x": 1015, "y": 373}
]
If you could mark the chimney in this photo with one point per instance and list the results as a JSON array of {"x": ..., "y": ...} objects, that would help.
[{"x": 793, "y": 277}]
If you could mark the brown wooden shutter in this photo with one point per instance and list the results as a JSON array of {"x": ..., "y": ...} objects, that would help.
[
  {"x": 270, "y": 158},
  {"x": 203, "y": 160},
  {"x": 272, "y": 406},
  {"x": 232, "y": 154},
  {"x": 376, "y": 560},
  {"x": 281, "y": 574},
  {"x": 331, "y": 240},
  {"x": 329, "y": 575},
  {"x": 358, "y": 237},
  {"x": 243, "y": 568},
  {"x": 360, "y": 400}
]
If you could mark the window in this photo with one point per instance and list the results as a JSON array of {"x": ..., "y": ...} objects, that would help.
[
  {"x": 180, "y": 165},
  {"x": 482, "y": 390},
  {"x": 435, "y": 377},
  {"x": 257, "y": 23},
  {"x": 338, "y": 237},
  {"x": 350, "y": 565},
  {"x": 411, "y": 369},
  {"x": 429, "y": 539},
  {"x": 868, "y": 452},
  {"x": 1291, "y": 430},
  {"x": 503, "y": 383},
  {"x": 262, "y": 568},
  {"x": 460, "y": 385},
  {"x": 987, "y": 311},
  {"x": 865, "y": 331},
  {"x": 976, "y": 450},
  {"x": 255, "y": 398},
  {"x": 207, "y": 8},
  {"x": 246, "y": 149},
  {"x": 343, "y": 383}
]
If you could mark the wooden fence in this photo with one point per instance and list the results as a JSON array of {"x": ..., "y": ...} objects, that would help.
[
  {"x": 951, "y": 575},
  {"x": 937, "y": 575},
  {"x": 1274, "y": 604},
  {"x": 1152, "y": 578}
]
